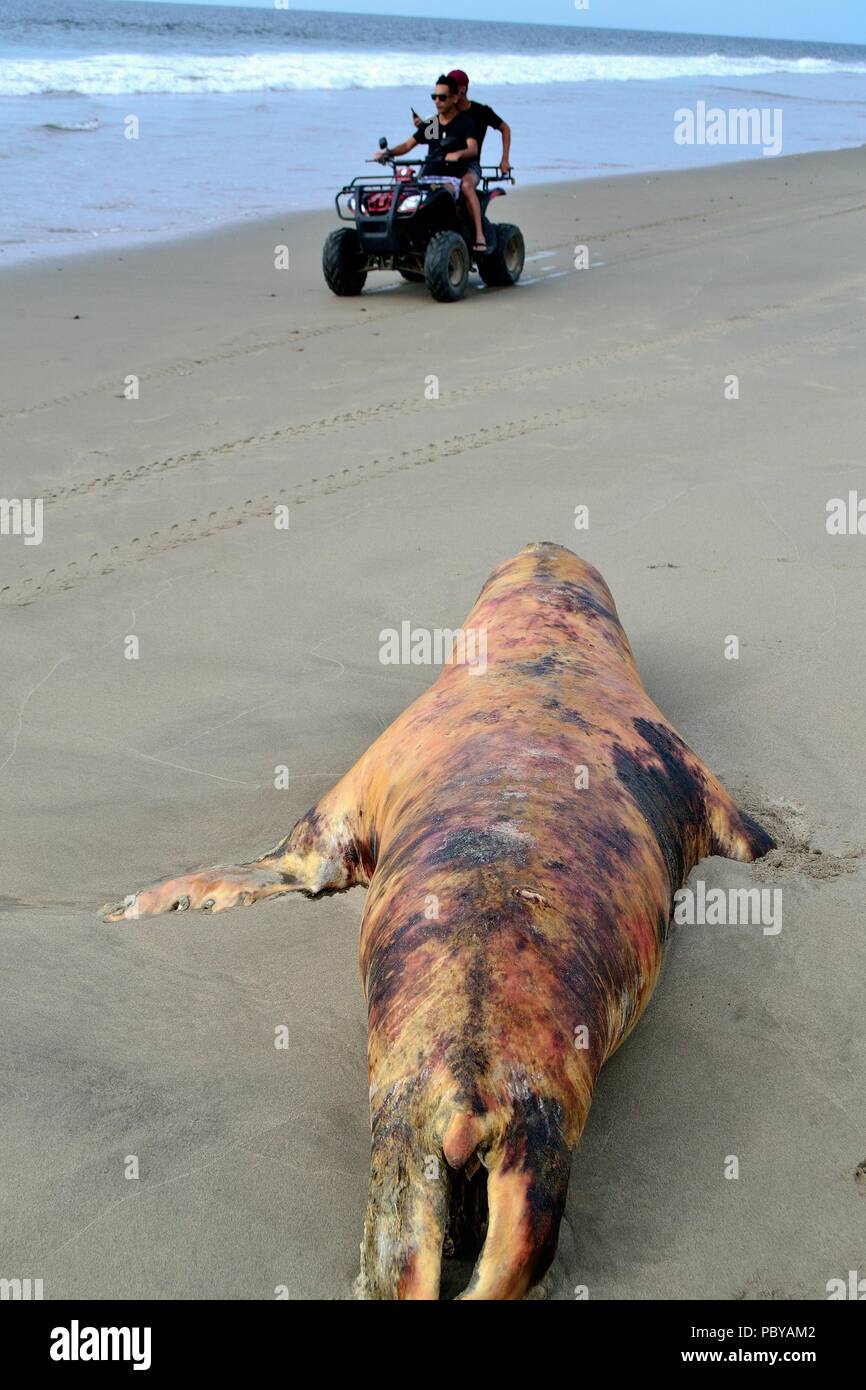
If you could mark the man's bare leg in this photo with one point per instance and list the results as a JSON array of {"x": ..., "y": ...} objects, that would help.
[{"x": 468, "y": 185}]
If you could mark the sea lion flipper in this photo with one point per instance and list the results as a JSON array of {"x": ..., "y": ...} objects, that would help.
[
  {"x": 734, "y": 833},
  {"x": 418, "y": 1198},
  {"x": 318, "y": 855},
  {"x": 325, "y": 851},
  {"x": 211, "y": 890},
  {"x": 407, "y": 1209},
  {"x": 527, "y": 1186}
]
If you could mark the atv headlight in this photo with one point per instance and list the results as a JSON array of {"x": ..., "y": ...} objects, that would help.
[
  {"x": 350, "y": 202},
  {"x": 411, "y": 204}
]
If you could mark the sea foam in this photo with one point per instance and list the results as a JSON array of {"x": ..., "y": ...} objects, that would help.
[{"x": 114, "y": 74}]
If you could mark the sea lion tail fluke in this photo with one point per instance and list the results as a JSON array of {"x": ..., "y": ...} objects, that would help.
[{"x": 526, "y": 1189}]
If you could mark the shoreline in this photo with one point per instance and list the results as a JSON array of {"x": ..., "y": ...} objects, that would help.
[{"x": 236, "y": 226}]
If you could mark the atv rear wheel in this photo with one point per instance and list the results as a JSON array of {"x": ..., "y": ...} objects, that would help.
[
  {"x": 446, "y": 267},
  {"x": 504, "y": 265},
  {"x": 343, "y": 262}
]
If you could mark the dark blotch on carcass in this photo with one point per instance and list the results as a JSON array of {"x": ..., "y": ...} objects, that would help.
[
  {"x": 670, "y": 798},
  {"x": 620, "y": 840},
  {"x": 534, "y": 1133},
  {"x": 387, "y": 968},
  {"x": 662, "y": 927},
  {"x": 476, "y": 849},
  {"x": 571, "y": 716},
  {"x": 401, "y": 851},
  {"x": 534, "y": 1144},
  {"x": 575, "y": 599},
  {"x": 541, "y": 666},
  {"x": 302, "y": 837},
  {"x": 351, "y": 857},
  {"x": 470, "y": 1058},
  {"x": 369, "y": 852},
  {"x": 562, "y": 711}
]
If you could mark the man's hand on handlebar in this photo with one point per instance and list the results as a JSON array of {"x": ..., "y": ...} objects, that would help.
[
  {"x": 505, "y": 168},
  {"x": 381, "y": 155}
]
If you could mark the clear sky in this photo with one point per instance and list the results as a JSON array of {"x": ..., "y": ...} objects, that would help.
[{"x": 839, "y": 21}]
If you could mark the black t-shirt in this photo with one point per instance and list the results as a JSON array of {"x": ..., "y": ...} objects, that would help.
[
  {"x": 442, "y": 139},
  {"x": 484, "y": 117}
]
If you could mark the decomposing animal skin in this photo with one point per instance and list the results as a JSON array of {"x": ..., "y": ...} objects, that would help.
[{"x": 521, "y": 831}]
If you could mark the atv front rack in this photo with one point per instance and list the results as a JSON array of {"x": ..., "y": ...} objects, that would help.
[
  {"x": 379, "y": 203},
  {"x": 490, "y": 174}
]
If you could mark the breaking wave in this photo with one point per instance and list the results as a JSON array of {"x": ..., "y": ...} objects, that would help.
[
  {"x": 71, "y": 125},
  {"x": 115, "y": 74}
]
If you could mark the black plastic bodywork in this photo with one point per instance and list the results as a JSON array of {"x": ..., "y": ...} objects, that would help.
[{"x": 393, "y": 239}]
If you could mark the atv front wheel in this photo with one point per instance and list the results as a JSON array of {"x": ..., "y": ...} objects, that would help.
[
  {"x": 446, "y": 267},
  {"x": 343, "y": 262},
  {"x": 504, "y": 265}
]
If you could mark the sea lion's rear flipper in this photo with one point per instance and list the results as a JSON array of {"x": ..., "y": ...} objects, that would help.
[
  {"x": 407, "y": 1209},
  {"x": 411, "y": 1192},
  {"x": 527, "y": 1185}
]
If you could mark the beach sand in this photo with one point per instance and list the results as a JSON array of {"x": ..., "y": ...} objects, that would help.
[{"x": 259, "y": 648}]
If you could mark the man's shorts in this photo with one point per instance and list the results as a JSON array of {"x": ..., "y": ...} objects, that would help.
[
  {"x": 442, "y": 181},
  {"x": 474, "y": 168}
]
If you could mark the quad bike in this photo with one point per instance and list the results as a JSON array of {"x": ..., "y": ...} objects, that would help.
[{"x": 419, "y": 225}]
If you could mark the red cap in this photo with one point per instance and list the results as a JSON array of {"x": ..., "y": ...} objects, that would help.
[{"x": 460, "y": 77}]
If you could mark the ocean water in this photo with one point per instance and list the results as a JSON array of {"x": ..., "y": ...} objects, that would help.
[{"x": 242, "y": 112}]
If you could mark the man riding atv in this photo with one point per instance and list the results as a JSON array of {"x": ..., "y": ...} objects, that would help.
[
  {"x": 417, "y": 223},
  {"x": 452, "y": 148}
]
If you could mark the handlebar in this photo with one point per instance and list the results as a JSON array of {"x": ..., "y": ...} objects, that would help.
[{"x": 491, "y": 173}]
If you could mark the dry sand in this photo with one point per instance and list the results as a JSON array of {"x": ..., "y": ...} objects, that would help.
[{"x": 259, "y": 648}]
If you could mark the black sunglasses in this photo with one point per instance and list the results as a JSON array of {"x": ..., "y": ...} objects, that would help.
[{"x": 440, "y": 96}]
